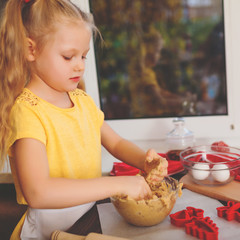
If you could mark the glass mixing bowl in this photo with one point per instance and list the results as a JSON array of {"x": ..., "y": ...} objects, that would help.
[
  {"x": 211, "y": 165},
  {"x": 151, "y": 211}
]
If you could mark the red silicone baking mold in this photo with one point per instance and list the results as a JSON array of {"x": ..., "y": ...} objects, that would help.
[
  {"x": 120, "y": 168},
  {"x": 230, "y": 212}
]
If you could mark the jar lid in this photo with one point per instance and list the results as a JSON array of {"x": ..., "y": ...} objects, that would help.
[{"x": 179, "y": 131}]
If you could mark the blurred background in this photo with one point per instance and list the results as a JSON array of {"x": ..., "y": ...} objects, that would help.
[{"x": 160, "y": 58}]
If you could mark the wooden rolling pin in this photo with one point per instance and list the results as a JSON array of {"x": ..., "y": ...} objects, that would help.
[{"x": 59, "y": 235}]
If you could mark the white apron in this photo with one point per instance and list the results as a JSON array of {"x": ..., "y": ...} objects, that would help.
[{"x": 40, "y": 223}]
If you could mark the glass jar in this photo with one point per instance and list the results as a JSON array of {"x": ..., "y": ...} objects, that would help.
[{"x": 178, "y": 139}]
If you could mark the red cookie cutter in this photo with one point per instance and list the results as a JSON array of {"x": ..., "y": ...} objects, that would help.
[
  {"x": 230, "y": 212},
  {"x": 220, "y": 146},
  {"x": 202, "y": 228},
  {"x": 180, "y": 218},
  {"x": 195, "y": 224}
]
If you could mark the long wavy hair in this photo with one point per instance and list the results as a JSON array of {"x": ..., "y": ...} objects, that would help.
[{"x": 36, "y": 19}]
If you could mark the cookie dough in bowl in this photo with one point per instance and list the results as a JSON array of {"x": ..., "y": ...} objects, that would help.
[{"x": 152, "y": 211}]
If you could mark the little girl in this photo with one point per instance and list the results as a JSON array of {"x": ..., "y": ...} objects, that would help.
[{"x": 51, "y": 130}]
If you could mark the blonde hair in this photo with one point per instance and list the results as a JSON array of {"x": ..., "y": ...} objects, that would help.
[{"x": 37, "y": 20}]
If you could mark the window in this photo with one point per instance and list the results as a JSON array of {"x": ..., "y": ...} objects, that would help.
[
  {"x": 161, "y": 58},
  {"x": 189, "y": 26}
]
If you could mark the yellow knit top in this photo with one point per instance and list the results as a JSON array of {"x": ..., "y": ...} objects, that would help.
[{"x": 71, "y": 136}]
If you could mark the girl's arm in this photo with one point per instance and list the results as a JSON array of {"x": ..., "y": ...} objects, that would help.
[
  {"x": 43, "y": 191},
  {"x": 125, "y": 150}
]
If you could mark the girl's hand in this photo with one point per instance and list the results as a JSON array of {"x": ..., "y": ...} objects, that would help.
[
  {"x": 155, "y": 167},
  {"x": 134, "y": 187}
]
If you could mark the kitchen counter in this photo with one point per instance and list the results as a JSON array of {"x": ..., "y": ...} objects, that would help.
[{"x": 90, "y": 222}]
